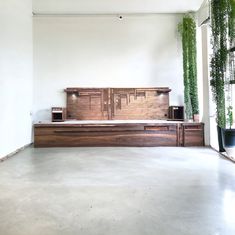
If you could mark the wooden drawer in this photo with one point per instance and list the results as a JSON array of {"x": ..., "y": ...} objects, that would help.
[
  {"x": 140, "y": 134},
  {"x": 192, "y": 134},
  {"x": 161, "y": 128},
  {"x": 105, "y": 135},
  {"x": 88, "y": 128},
  {"x": 193, "y": 127}
]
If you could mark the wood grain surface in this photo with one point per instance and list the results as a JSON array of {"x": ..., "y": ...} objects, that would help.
[
  {"x": 117, "y": 103},
  {"x": 129, "y": 134}
]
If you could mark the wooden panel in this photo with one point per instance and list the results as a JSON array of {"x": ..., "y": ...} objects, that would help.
[
  {"x": 52, "y": 130},
  {"x": 108, "y": 135},
  {"x": 137, "y": 104},
  {"x": 109, "y": 139},
  {"x": 87, "y": 103},
  {"x": 117, "y": 103},
  {"x": 123, "y": 134},
  {"x": 193, "y": 134},
  {"x": 161, "y": 128}
]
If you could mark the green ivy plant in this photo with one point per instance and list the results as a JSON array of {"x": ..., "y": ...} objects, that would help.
[
  {"x": 187, "y": 29},
  {"x": 231, "y": 21},
  {"x": 219, "y": 29},
  {"x": 231, "y": 38},
  {"x": 230, "y": 116},
  {"x": 223, "y": 33}
]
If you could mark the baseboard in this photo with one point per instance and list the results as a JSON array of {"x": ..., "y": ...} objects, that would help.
[
  {"x": 224, "y": 155},
  {"x": 15, "y": 152},
  {"x": 228, "y": 157}
]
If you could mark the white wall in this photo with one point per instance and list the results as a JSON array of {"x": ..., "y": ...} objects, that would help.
[
  {"x": 203, "y": 78},
  {"x": 15, "y": 74},
  {"x": 114, "y": 6},
  {"x": 203, "y": 69},
  {"x": 99, "y": 51}
]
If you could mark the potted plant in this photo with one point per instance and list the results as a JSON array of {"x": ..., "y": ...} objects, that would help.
[
  {"x": 187, "y": 30},
  {"x": 222, "y": 28},
  {"x": 228, "y": 135}
]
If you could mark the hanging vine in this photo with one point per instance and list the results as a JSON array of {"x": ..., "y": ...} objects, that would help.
[
  {"x": 187, "y": 29},
  {"x": 231, "y": 21},
  {"x": 222, "y": 28},
  {"x": 231, "y": 54}
]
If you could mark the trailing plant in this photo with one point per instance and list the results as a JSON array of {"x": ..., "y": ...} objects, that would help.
[
  {"x": 222, "y": 61},
  {"x": 187, "y": 29},
  {"x": 231, "y": 20},
  {"x": 219, "y": 28},
  {"x": 231, "y": 53},
  {"x": 230, "y": 116}
]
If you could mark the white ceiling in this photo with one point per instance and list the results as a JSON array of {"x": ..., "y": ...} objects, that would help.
[{"x": 115, "y": 6}]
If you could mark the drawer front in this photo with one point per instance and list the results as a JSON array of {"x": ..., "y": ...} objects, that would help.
[
  {"x": 193, "y": 126},
  {"x": 119, "y": 135},
  {"x": 74, "y": 130},
  {"x": 161, "y": 128},
  {"x": 192, "y": 134},
  {"x": 104, "y": 136},
  {"x": 194, "y": 139}
]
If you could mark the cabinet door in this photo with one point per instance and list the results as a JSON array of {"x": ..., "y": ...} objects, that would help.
[
  {"x": 88, "y": 104},
  {"x": 193, "y": 134},
  {"x": 139, "y": 104}
]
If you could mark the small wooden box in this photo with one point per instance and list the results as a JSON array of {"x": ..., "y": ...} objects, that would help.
[
  {"x": 176, "y": 113},
  {"x": 58, "y": 114}
]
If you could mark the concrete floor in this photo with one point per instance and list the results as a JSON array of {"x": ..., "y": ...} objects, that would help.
[{"x": 117, "y": 191}]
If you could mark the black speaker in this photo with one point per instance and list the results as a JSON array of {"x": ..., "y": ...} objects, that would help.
[
  {"x": 176, "y": 113},
  {"x": 58, "y": 114}
]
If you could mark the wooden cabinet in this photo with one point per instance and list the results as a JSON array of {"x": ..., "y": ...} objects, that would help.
[
  {"x": 192, "y": 134},
  {"x": 119, "y": 134},
  {"x": 150, "y": 105}
]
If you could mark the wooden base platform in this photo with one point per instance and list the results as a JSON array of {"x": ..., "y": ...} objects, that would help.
[{"x": 141, "y": 133}]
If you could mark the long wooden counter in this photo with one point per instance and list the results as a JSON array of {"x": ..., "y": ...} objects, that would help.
[{"x": 118, "y": 133}]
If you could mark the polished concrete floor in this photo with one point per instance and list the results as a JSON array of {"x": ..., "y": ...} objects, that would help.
[{"x": 117, "y": 191}]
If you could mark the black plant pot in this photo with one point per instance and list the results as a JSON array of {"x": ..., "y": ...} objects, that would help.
[
  {"x": 228, "y": 138},
  {"x": 220, "y": 141}
]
